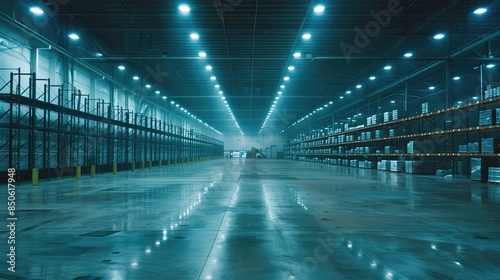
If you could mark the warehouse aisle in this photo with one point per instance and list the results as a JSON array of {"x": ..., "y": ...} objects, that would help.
[{"x": 256, "y": 219}]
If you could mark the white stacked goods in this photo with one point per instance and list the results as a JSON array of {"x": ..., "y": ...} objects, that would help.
[
  {"x": 397, "y": 165},
  {"x": 394, "y": 114}
]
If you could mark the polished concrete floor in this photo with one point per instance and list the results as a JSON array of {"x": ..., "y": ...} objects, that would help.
[{"x": 255, "y": 219}]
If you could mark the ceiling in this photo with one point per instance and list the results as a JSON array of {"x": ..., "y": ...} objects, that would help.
[{"x": 250, "y": 45}]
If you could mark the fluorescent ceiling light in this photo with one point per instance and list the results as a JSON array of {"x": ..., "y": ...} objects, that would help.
[
  {"x": 491, "y": 65},
  {"x": 319, "y": 9},
  {"x": 359, "y": 86},
  {"x": 73, "y": 36},
  {"x": 157, "y": 92},
  {"x": 286, "y": 78},
  {"x": 176, "y": 105},
  {"x": 297, "y": 54},
  {"x": 172, "y": 102},
  {"x": 194, "y": 36},
  {"x": 348, "y": 92},
  {"x": 480, "y": 11},
  {"x": 213, "y": 78},
  {"x": 341, "y": 97},
  {"x": 136, "y": 78},
  {"x": 148, "y": 86},
  {"x": 439, "y": 36},
  {"x": 164, "y": 97},
  {"x": 282, "y": 86},
  {"x": 208, "y": 67},
  {"x": 387, "y": 67},
  {"x": 306, "y": 36},
  {"x": 221, "y": 92},
  {"x": 121, "y": 67},
  {"x": 217, "y": 86},
  {"x": 456, "y": 78},
  {"x": 372, "y": 78},
  {"x": 184, "y": 9},
  {"x": 202, "y": 54},
  {"x": 291, "y": 68},
  {"x": 280, "y": 92},
  {"x": 432, "y": 87},
  {"x": 392, "y": 102},
  {"x": 408, "y": 54},
  {"x": 36, "y": 11}
]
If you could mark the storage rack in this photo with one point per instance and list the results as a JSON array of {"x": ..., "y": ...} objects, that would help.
[
  {"x": 40, "y": 128},
  {"x": 439, "y": 135}
]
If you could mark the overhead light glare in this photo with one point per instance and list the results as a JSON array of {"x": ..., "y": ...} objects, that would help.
[
  {"x": 491, "y": 65},
  {"x": 121, "y": 67},
  {"x": 136, "y": 78},
  {"x": 408, "y": 55},
  {"x": 439, "y": 36},
  {"x": 297, "y": 55},
  {"x": 202, "y": 54},
  {"x": 148, "y": 86},
  {"x": 208, "y": 67},
  {"x": 184, "y": 9},
  {"x": 480, "y": 11},
  {"x": 36, "y": 11},
  {"x": 432, "y": 87},
  {"x": 73, "y": 36},
  {"x": 456, "y": 78},
  {"x": 291, "y": 68},
  {"x": 372, "y": 78},
  {"x": 194, "y": 36},
  {"x": 286, "y": 78},
  {"x": 319, "y": 9},
  {"x": 164, "y": 97},
  {"x": 306, "y": 36},
  {"x": 387, "y": 67},
  {"x": 359, "y": 86}
]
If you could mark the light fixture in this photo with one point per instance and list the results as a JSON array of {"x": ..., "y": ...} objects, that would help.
[
  {"x": 432, "y": 88},
  {"x": 202, "y": 54},
  {"x": 280, "y": 92},
  {"x": 286, "y": 78},
  {"x": 73, "y": 36},
  {"x": 36, "y": 11},
  {"x": 491, "y": 65},
  {"x": 319, "y": 9},
  {"x": 194, "y": 36},
  {"x": 348, "y": 92},
  {"x": 387, "y": 67},
  {"x": 148, "y": 86},
  {"x": 297, "y": 55},
  {"x": 480, "y": 11},
  {"x": 331, "y": 102},
  {"x": 372, "y": 78},
  {"x": 172, "y": 102},
  {"x": 221, "y": 92},
  {"x": 341, "y": 97},
  {"x": 282, "y": 86},
  {"x": 217, "y": 86},
  {"x": 164, "y": 97},
  {"x": 291, "y": 68},
  {"x": 456, "y": 78},
  {"x": 184, "y": 9},
  {"x": 121, "y": 67},
  {"x": 177, "y": 105},
  {"x": 213, "y": 78},
  {"x": 359, "y": 86},
  {"x": 392, "y": 102},
  {"x": 408, "y": 55},
  {"x": 306, "y": 36},
  {"x": 99, "y": 54},
  {"x": 208, "y": 67},
  {"x": 157, "y": 92},
  {"x": 439, "y": 36},
  {"x": 136, "y": 78}
]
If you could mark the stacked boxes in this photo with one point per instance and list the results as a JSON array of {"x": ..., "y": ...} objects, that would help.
[
  {"x": 384, "y": 165},
  {"x": 475, "y": 169},
  {"x": 380, "y": 134},
  {"x": 392, "y": 133},
  {"x": 473, "y": 147},
  {"x": 462, "y": 148},
  {"x": 389, "y": 149},
  {"x": 487, "y": 117},
  {"x": 418, "y": 167},
  {"x": 425, "y": 108},
  {"x": 491, "y": 92},
  {"x": 387, "y": 117},
  {"x": 394, "y": 115},
  {"x": 414, "y": 147},
  {"x": 494, "y": 174},
  {"x": 397, "y": 165},
  {"x": 490, "y": 145}
]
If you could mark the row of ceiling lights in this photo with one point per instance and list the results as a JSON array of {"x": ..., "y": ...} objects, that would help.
[
  {"x": 307, "y": 36},
  {"x": 36, "y": 10},
  {"x": 318, "y": 10},
  {"x": 185, "y": 9}
]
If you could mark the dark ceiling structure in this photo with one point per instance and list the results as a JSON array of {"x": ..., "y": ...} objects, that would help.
[{"x": 252, "y": 47}]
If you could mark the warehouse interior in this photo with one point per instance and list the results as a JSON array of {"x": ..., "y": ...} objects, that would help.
[{"x": 247, "y": 139}]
